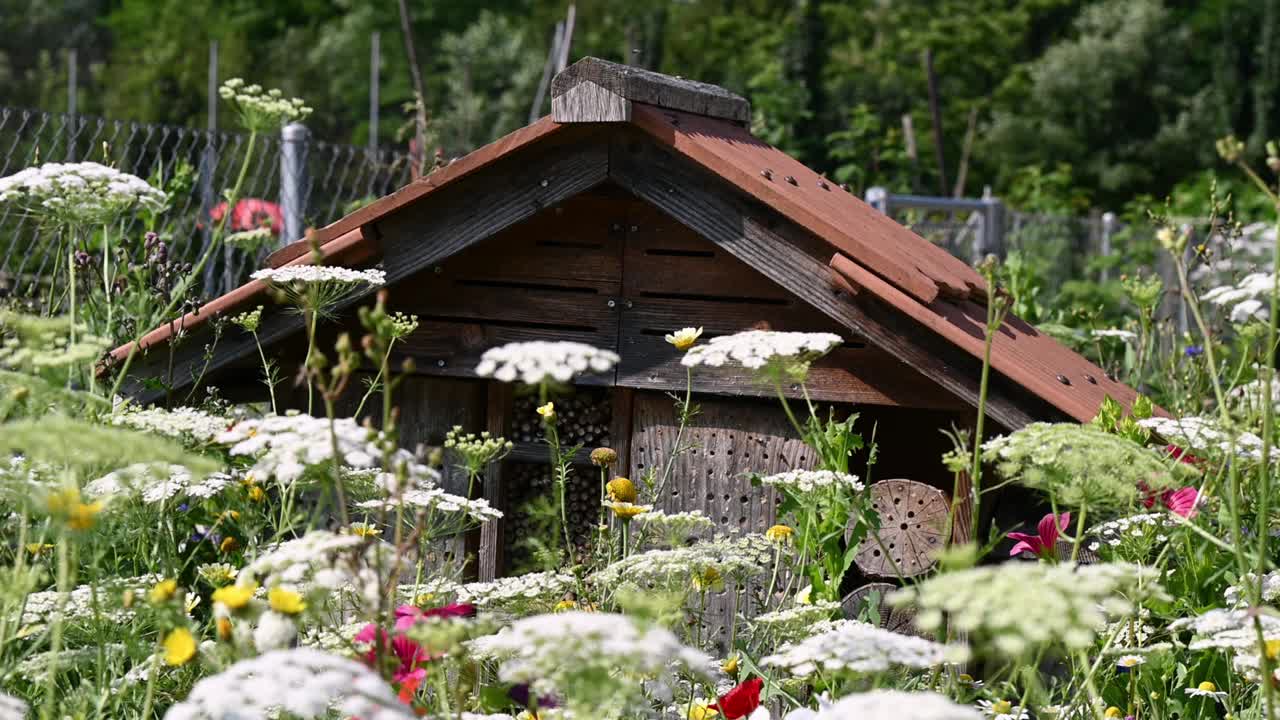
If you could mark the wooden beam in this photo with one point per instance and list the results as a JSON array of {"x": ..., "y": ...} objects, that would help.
[
  {"x": 595, "y": 90},
  {"x": 797, "y": 261},
  {"x": 491, "y": 533},
  {"x": 413, "y": 237}
]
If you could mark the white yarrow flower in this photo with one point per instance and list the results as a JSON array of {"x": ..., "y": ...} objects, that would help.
[{"x": 858, "y": 647}]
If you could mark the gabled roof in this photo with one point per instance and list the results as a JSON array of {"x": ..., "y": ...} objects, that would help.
[{"x": 867, "y": 254}]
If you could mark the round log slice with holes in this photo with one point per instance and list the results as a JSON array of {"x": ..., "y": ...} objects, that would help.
[
  {"x": 895, "y": 619},
  {"x": 913, "y": 516}
]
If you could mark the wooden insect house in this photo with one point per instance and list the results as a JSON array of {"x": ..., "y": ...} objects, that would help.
[{"x": 641, "y": 205}]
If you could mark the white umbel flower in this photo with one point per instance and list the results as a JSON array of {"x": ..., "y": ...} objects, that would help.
[
  {"x": 285, "y": 446},
  {"x": 11, "y": 708},
  {"x": 803, "y": 482},
  {"x": 542, "y": 361},
  {"x": 889, "y": 705},
  {"x": 157, "y": 483},
  {"x": 84, "y": 192},
  {"x": 754, "y": 349},
  {"x": 576, "y": 656},
  {"x": 1016, "y": 607},
  {"x": 307, "y": 274},
  {"x": 857, "y": 647},
  {"x": 181, "y": 422},
  {"x": 303, "y": 683},
  {"x": 537, "y": 591},
  {"x": 1206, "y": 436},
  {"x": 274, "y": 631},
  {"x": 1245, "y": 297}
]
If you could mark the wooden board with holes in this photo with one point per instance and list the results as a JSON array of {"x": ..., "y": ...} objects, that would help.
[
  {"x": 913, "y": 519},
  {"x": 728, "y": 440}
]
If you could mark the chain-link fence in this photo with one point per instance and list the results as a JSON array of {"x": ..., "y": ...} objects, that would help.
[{"x": 291, "y": 182}]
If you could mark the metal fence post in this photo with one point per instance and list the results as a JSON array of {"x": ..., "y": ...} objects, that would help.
[
  {"x": 73, "y": 67},
  {"x": 293, "y": 180},
  {"x": 992, "y": 238},
  {"x": 878, "y": 198},
  {"x": 1104, "y": 246},
  {"x": 208, "y": 168}
]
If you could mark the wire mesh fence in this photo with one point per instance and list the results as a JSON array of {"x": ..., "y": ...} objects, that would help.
[{"x": 316, "y": 182}]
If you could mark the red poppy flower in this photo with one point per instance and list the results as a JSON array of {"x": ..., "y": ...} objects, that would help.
[
  {"x": 740, "y": 701},
  {"x": 1181, "y": 455},
  {"x": 250, "y": 214}
]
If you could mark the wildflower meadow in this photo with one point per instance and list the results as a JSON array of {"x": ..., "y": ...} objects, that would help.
[{"x": 198, "y": 558}]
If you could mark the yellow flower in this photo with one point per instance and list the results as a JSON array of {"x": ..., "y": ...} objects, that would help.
[
  {"x": 424, "y": 599},
  {"x": 229, "y": 515},
  {"x": 234, "y": 597},
  {"x": 1273, "y": 649},
  {"x": 709, "y": 579},
  {"x": 779, "y": 533},
  {"x": 1207, "y": 686},
  {"x": 1001, "y": 707},
  {"x": 702, "y": 711},
  {"x": 67, "y": 504},
  {"x": 365, "y": 530},
  {"x": 224, "y": 628},
  {"x": 256, "y": 494},
  {"x": 1112, "y": 712},
  {"x": 40, "y": 548},
  {"x": 566, "y": 605},
  {"x": 802, "y": 597},
  {"x": 684, "y": 338},
  {"x": 626, "y": 510},
  {"x": 163, "y": 591},
  {"x": 285, "y": 601},
  {"x": 730, "y": 665},
  {"x": 229, "y": 544},
  {"x": 621, "y": 489},
  {"x": 547, "y": 411},
  {"x": 179, "y": 646}
]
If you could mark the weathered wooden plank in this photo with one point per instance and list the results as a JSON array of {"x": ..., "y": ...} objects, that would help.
[
  {"x": 610, "y": 88},
  {"x": 863, "y": 375},
  {"x": 665, "y": 257},
  {"x": 577, "y": 243},
  {"x": 457, "y": 216},
  {"x": 492, "y": 549},
  {"x": 766, "y": 242},
  {"x": 453, "y": 348}
]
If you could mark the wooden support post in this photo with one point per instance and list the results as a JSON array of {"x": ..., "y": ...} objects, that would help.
[
  {"x": 491, "y": 533},
  {"x": 620, "y": 426}
]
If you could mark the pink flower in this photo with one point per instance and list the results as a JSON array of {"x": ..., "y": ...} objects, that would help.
[
  {"x": 410, "y": 654},
  {"x": 1182, "y": 502},
  {"x": 1045, "y": 540},
  {"x": 250, "y": 214},
  {"x": 408, "y": 615}
]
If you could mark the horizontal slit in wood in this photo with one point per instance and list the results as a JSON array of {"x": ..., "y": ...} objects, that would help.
[
  {"x": 511, "y": 285},
  {"x": 665, "y": 252},
  {"x": 569, "y": 244},
  {"x": 715, "y": 298},
  {"x": 509, "y": 323}
]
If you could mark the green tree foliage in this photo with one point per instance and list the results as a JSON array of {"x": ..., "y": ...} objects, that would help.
[{"x": 1074, "y": 100}]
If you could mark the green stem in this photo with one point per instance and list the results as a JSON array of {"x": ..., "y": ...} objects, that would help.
[
  {"x": 266, "y": 371},
  {"x": 180, "y": 291},
  {"x": 55, "y": 633}
]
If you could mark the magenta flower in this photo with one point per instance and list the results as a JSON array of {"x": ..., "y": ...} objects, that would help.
[
  {"x": 1045, "y": 539},
  {"x": 410, "y": 654},
  {"x": 1183, "y": 501},
  {"x": 408, "y": 615}
]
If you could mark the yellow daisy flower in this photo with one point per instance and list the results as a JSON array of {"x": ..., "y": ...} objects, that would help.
[
  {"x": 626, "y": 510},
  {"x": 163, "y": 591},
  {"x": 234, "y": 597},
  {"x": 547, "y": 411},
  {"x": 684, "y": 338},
  {"x": 284, "y": 600},
  {"x": 779, "y": 533},
  {"x": 179, "y": 646}
]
